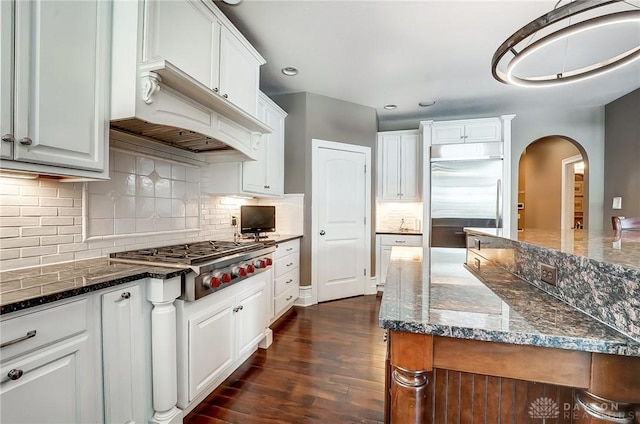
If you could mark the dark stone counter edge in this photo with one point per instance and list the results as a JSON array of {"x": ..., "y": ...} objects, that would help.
[
  {"x": 77, "y": 291},
  {"x": 287, "y": 238},
  {"x": 630, "y": 348},
  {"x": 618, "y": 270}
]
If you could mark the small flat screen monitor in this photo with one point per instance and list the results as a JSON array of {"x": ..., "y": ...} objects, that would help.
[{"x": 257, "y": 219}]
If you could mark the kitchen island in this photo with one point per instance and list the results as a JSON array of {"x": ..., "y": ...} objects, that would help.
[{"x": 478, "y": 342}]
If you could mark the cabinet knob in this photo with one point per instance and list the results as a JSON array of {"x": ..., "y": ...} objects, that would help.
[
  {"x": 123, "y": 296},
  {"x": 8, "y": 138},
  {"x": 216, "y": 90},
  {"x": 226, "y": 96},
  {"x": 26, "y": 141},
  {"x": 15, "y": 374},
  {"x": 322, "y": 232},
  {"x": 385, "y": 336}
]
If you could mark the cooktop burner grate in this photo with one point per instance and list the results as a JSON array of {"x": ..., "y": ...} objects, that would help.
[{"x": 189, "y": 254}]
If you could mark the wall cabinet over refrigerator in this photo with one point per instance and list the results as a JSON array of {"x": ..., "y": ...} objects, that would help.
[
  {"x": 466, "y": 131},
  {"x": 263, "y": 177},
  {"x": 399, "y": 166},
  {"x": 54, "y": 87}
]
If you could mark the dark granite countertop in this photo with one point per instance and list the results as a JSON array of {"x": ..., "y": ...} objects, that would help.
[
  {"x": 25, "y": 288},
  {"x": 448, "y": 300}
]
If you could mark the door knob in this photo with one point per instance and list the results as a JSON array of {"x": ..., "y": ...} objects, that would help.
[{"x": 322, "y": 232}]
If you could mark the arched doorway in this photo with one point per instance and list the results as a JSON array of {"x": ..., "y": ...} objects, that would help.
[{"x": 552, "y": 185}]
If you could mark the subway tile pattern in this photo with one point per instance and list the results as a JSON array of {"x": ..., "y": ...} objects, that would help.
[
  {"x": 489, "y": 305},
  {"x": 146, "y": 195},
  {"x": 29, "y": 238}
]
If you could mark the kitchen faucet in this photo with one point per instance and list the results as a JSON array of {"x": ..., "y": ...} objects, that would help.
[{"x": 402, "y": 225}]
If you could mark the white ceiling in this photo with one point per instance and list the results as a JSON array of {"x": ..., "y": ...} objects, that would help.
[{"x": 375, "y": 53}]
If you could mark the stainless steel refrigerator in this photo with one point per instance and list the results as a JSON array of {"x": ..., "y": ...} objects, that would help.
[{"x": 466, "y": 190}]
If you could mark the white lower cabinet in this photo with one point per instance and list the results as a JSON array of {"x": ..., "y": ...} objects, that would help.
[
  {"x": 286, "y": 277},
  {"x": 385, "y": 243},
  {"x": 216, "y": 334},
  {"x": 125, "y": 322},
  {"x": 49, "y": 368}
]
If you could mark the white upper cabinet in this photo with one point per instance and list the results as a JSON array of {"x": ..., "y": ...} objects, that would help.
[
  {"x": 193, "y": 38},
  {"x": 470, "y": 131},
  {"x": 266, "y": 175},
  {"x": 263, "y": 177},
  {"x": 399, "y": 166},
  {"x": 55, "y": 92}
]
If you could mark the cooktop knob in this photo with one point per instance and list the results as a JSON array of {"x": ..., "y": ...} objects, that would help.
[
  {"x": 226, "y": 277},
  {"x": 269, "y": 261},
  {"x": 238, "y": 271},
  {"x": 260, "y": 263},
  {"x": 251, "y": 268},
  {"x": 211, "y": 281}
]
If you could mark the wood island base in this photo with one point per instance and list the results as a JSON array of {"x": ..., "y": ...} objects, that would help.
[{"x": 437, "y": 380}]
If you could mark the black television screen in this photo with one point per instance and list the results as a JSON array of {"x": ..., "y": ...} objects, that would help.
[{"x": 257, "y": 219}]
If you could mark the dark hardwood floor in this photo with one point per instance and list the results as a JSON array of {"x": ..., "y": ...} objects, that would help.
[{"x": 326, "y": 365}]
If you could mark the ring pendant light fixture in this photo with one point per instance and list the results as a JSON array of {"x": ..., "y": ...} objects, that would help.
[{"x": 513, "y": 52}]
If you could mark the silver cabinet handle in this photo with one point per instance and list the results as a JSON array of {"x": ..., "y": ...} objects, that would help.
[
  {"x": 290, "y": 281},
  {"x": 401, "y": 241},
  {"x": 288, "y": 298},
  {"x": 322, "y": 232},
  {"x": 123, "y": 296},
  {"x": 26, "y": 141},
  {"x": 15, "y": 374},
  {"x": 289, "y": 249},
  {"x": 29, "y": 334},
  {"x": 385, "y": 336},
  {"x": 290, "y": 263},
  {"x": 238, "y": 308},
  {"x": 8, "y": 138}
]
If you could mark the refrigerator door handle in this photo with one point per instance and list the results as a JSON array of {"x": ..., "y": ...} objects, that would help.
[{"x": 498, "y": 199}]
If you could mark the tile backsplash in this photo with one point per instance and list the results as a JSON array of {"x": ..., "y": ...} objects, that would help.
[
  {"x": 390, "y": 215},
  {"x": 149, "y": 201}
]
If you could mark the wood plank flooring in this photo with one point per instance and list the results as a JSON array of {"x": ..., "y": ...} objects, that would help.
[{"x": 326, "y": 365}]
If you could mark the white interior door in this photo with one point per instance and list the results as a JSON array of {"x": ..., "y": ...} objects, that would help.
[{"x": 341, "y": 199}]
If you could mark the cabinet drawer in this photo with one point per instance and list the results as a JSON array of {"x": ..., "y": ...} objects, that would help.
[
  {"x": 283, "y": 282},
  {"x": 287, "y": 248},
  {"x": 286, "y": 299},
  {"x": 286, "y": 264},
  {"x": 400, "y": 240},
  {"x": 50, "y": 325}
]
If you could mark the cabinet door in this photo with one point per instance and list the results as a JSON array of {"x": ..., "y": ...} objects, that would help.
[
  {"x": 254, "y": 172},
  {"x": 186, "y": 34},
  {"x": 410, "y": 162},
  {"x": 51, "y": 388},
  {"x": 479, "y": 132},
  {"x": 123, "y": 356},
  {"x": 211, "y": 346},
  {"x": 61, "y": 83},
  {"x": 239, "y": 73},
  {"x": 389, "y": 167},
  {"x": 6, "y": 77},
  {"x": 447, "y": 133},
  {"x": 274, "y": 173},
  {"x": 251, "y": 319},
  {"x": 385, "y": 256}
]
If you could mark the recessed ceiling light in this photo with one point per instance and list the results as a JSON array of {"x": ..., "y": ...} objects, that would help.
[
  {"x": 427, "y": 103},
  {"x": 290, "y": 71},
  {"x": 390, "y": 107}
]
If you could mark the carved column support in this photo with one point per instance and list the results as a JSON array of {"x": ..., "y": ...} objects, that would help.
[
  {"x": 597, "y": 410},
  {"x": 409, "y": 403},
  {"x": 162, "y": 294},
  {"x": 150, "y": 86}
]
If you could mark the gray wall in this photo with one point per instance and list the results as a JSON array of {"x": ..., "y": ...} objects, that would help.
[
  {"x": 585, "y": 126},
  {"x": 312, "y": 116},
  {"x": 622, "y": 156}
]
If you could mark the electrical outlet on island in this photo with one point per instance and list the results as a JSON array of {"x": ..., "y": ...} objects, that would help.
[{"x": 548, "y": 274}]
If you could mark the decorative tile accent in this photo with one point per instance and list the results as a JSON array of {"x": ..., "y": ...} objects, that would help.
[{"x": 154, "y": 192}]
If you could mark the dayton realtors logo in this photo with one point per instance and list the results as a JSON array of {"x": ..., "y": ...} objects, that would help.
[{"x": 544, "y": 408}]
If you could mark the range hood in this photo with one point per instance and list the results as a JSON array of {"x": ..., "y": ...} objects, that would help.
[{"x": 171, "y": 107}]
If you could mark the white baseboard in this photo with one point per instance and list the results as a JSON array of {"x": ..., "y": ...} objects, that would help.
[
  {"x": 304, "y": 298},
  {"x": 268, "y": 339}
]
